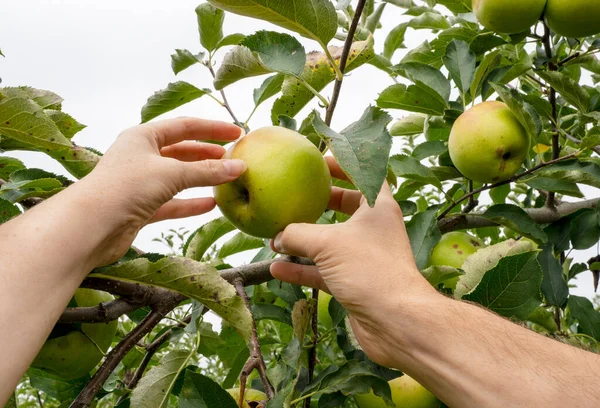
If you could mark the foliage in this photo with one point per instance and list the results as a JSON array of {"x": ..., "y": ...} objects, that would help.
[{"x": 548, "y": 82}]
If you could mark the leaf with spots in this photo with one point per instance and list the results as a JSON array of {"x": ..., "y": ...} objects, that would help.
[
  {"x": 362, "y": 150},
  {"x": 7, "y": 210},
  {"x": 193, "y": 279},
  {"x": 22, "y": 119},
  {"x": 512, "y": 287},
  {"x": 318, "y": 72},
  {"x": 67, "y": 125},
  {"x": 9, "y": 165}
]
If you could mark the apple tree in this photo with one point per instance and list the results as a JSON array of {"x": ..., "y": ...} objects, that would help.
[{"x": 289, "y": 345}]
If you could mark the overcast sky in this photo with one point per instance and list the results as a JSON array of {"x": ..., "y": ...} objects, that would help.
[{"x": 106, "y": 58}]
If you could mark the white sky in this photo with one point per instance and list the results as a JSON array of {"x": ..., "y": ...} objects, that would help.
[{"x": 106, "y": 58}]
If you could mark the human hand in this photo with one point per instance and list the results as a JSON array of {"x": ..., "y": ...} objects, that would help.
[
  {"x": 366, "y": 263},
  {"x": 136, "y": 180}
]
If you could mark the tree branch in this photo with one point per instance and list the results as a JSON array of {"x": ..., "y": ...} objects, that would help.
[
  {"x": 501, "y": 183},
  {"x": 343, "y": 61},
  {"x": 256, "y": 360},
  {"x": 544, "y": 215},
  {"x": 103, "y": 313},
  {"x": 159, "y": 311}
]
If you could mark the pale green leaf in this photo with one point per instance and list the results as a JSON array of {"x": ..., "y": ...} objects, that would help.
[{"x": 175, "y": 95}]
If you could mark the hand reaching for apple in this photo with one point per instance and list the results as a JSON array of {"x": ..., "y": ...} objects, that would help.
[
  {"x": 363, "y": 262},
  {"x": 149, "y": 164}
]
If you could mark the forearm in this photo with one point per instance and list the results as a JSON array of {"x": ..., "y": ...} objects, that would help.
[
  {"x": 44, "y": 256},
  {"x": 470, "y": 357}
]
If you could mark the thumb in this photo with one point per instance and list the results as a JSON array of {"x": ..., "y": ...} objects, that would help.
[{"x": 300, "y": 240}]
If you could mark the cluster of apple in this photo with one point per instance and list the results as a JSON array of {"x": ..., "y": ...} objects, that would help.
[{"x": 569, "y": 18}]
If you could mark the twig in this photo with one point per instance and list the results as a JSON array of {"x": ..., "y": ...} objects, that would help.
[
  {"x": 159, "y": 311},
  {"x": 226, "y": 104},
  {"x": 595, "y": 149},
  {"x": 312, "y": 353},
  {"x": 472, "y": 202},
  {"x": 550, "y": 201},
  {"x": 501, "y": 183},
  {"x": 343, "y": 61},
  {"x": 103, "y": 313},
  {"x": 256, "y": 360}
]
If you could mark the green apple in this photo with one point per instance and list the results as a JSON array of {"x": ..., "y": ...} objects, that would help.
[
  {"x": 72, "y": 353},
  {"x": 508, "y": 16},
  {"x": 287, "y": 181},
  {"x": 452, "y": 250},
  {"x": 573, "y": 18},
  {"x": 250, "y": 395},
  {"x": 406, "y": 393},
  {"x": 488, "y": 143},
  {"x": 323, "y": 309}
]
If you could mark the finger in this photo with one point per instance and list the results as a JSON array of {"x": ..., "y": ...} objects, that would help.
[
  {"x": 171, "y": 131},
  {"x": 385, "y": 204},
  {"x": 343, "y": 200},
  {"x": 335, "y": 169},
  {"x": 211, "y": 172},
  {"x": 177, "y": 208},
  {"x": 300, "y": 240},
  {"x": 303, "y": 275},
  {"x": 193, "y": 151}
]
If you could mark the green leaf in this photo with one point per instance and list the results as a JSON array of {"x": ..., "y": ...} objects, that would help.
[
  {"x": 28, "y": 183},
  {"x": 239, "y": 63},
  {"x": 585, "y": 229},
  {"x": 394, "y": 40},
  {"x": 408, "y": 126},
  {"x": 183, "y": 59},
  {"x": 286, "y": 291},
  {"x": 270, "y": 87},
  {"x": 410, "y": 168},
  {"x": 477, "y": 264},
  {"x": 60, "y": 389},
  {"x": 8, "y": 165},
  {"x": 362, "y": 150},
  {"x": 77, "y": 160},
  {"x": 210, "y": 25},
  {"x": 412, "y": 99},
  {"x": 574, "y": 171},
  {"x": 193, "y": 279},
  {"x": 554, "y": 285},
  {"x": 318, "y": 72},
  {"x": 22, "y": 119},
  {"x": 353, "y": 377},
  {"x": 272, "y": 312},
  {"x": 424, "y": 234},
  {"x": 439, "y": 273},
  {"x": 526, "y": 115},
  {"x": 429, "y": 20},
  {"x": 511, "y": 288},
  {"x": 205, "y": 236},
  {"x": 516, "y": 219},
  {"x": 460, "y": 62},
  {"x": 175, "y": 95},
  {"x": 489, "y": 63},
  {"x": 45, "y": 99},
  {"x": 568, "y": 88},
  {"x": 239, "y": 243},
  {"x": 277, "y": 52},
  {"x": 155, "y": 387},
  {"x": 67, "y": 125},
  {"x": 7, "y": 210},
  {"x": 583, "y": 311},
  {"x": 314, "y": 19},
  {"x": 199, "y": 391},
  {"x": 428, "y": 149},
  {"x": 231, "y": 39},
  {"x": 555, "y": 185},
  {"x": 427, "y": 78}
]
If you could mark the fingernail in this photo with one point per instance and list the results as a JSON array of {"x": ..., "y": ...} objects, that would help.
[
  {"x": 242, "y": 132},
  {"x": 277, "y": 244},
  {"x": 234, "y": 167}
]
